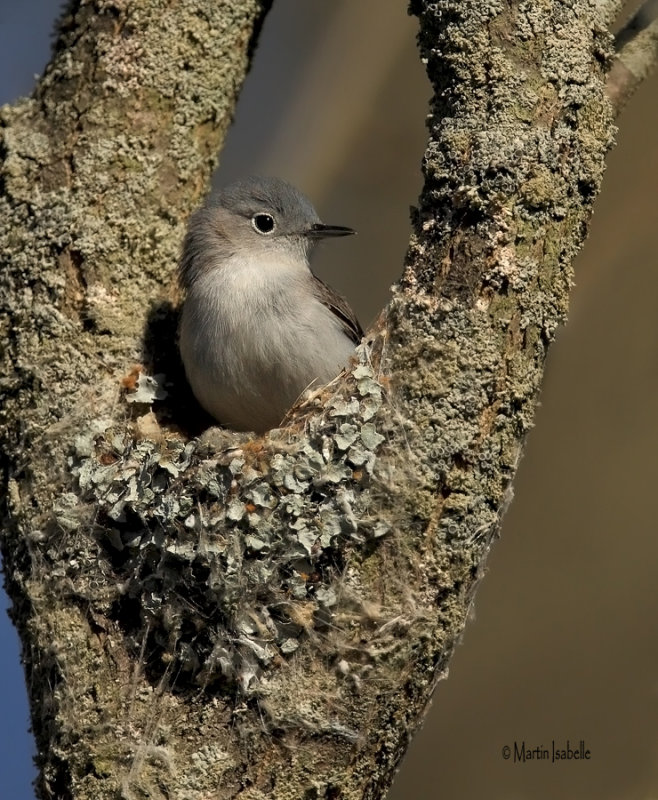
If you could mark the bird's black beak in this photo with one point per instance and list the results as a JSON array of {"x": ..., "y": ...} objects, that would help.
[{"x": 320, "y": 231}]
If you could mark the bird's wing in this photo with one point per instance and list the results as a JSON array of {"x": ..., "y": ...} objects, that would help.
[{"x": 340, "y": 307}]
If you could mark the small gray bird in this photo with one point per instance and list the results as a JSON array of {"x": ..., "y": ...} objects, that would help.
[{"x": 258, "y": 327}]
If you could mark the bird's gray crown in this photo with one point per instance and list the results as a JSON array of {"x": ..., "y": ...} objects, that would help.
[{"x": 293, "y": 211}]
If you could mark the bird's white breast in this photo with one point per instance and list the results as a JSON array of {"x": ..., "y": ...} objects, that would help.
[{"x": 253, "y": 337}]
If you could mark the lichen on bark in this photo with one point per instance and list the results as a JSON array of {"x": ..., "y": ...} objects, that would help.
[{"x": 267, "y": 617}]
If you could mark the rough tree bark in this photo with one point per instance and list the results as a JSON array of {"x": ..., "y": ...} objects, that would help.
[{"x": 229, "y": 616}]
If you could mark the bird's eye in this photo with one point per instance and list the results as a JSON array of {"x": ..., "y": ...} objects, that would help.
[{"x": 263, "y": 223}]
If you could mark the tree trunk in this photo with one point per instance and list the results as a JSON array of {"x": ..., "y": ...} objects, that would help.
[{"x": 221, "y": 615}]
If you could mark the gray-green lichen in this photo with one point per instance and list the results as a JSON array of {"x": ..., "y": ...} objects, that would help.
[
  {"x": 518, "y": 135},
  {"x": 267, "y": 617},
  {"x": 223, "y": 552}
]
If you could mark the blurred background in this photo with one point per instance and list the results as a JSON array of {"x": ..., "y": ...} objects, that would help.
[{"x": 563, "y": 644}]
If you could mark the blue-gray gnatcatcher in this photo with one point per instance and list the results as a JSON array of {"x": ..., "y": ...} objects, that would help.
[{"x": 258, "y": 327}]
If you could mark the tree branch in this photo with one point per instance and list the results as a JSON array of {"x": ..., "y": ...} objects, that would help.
[
  {"x": 637, "y": 49},
  {"x": 645, "y": 16},
  {"x": 232, "y": 616},
  {"x": 608, "y": 10}
]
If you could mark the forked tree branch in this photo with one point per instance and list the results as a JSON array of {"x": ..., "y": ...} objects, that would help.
[{"x": 237, "y": 617}]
